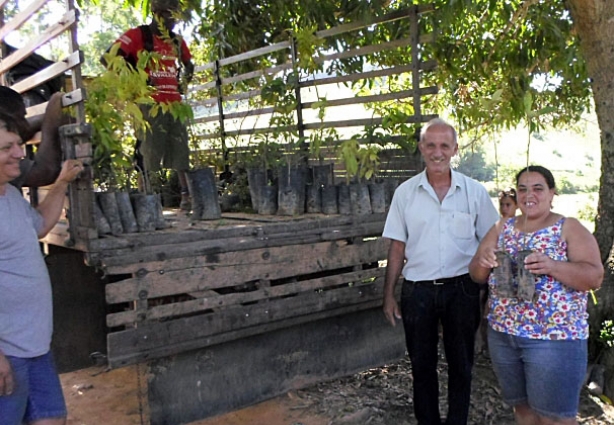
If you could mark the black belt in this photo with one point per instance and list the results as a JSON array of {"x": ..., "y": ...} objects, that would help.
[{"x": 444, "y": 281}]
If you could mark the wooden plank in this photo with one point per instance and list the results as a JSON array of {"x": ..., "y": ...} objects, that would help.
[
  {"x": 205, "y": 67},
  {"x": 264, "y": 130},
  {"x": 128, "y": 357},
  {"x": 364, "y": 50},
  {"x": 424, "y": 66},
  {"x": 50, "y": 33},
  {"x": 364, "y": 122},
  {"x": 173, "y": 335},
  {"x": 340, "y": 29},
  {"x": 52, "y": 71},
  {"x": 226, "y": 233},
  {"x": 235, "y": 115},
  {"x": 227, "y": 270},
  {"x": 255, "y": 53},
  {"x": 319, "y": 125},
  {"x": 204, "y": 248},
  {"x": 242, "y": 96},
  {"x": 201, "y": 87},
  {"x": 366, "y": 99},
  {"x": 363, "y": 23},
  {"x": 258, "y": 368},
  {"x": 73, "y": 97},
  {"x": 18, "y": 20},
  {"x": 390, "y": 17},
  {"x": 214, "y": 300},
  {"x": 249, "y": 75},
  {"x": 205, "y": 102}
]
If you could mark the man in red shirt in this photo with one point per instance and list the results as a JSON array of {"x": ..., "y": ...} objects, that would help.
[{"x": 165, "y": 143}]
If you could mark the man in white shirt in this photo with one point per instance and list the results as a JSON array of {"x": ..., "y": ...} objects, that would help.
[{"x": 435, "y": 224}]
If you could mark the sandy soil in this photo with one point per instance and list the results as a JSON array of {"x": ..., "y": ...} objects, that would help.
[
  {"x": 98, "y": 397},
  {"x": 379, "y": 396}
]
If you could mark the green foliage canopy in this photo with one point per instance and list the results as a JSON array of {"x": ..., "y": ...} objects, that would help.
[{"x": 500, "y": 63}]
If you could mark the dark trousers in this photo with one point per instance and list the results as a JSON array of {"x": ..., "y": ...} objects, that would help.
[{"x": 456, "y": 306}]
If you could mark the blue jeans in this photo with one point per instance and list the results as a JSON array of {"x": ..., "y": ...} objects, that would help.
[
  {"x": 547, "y": 375},
  {"x": 37, "y": 394},
  {"x": 456, "y": 306}
]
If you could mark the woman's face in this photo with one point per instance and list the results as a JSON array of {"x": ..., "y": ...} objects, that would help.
[
  {"x": 533, "y": 194},
  {"x": 507, "y": 207}
]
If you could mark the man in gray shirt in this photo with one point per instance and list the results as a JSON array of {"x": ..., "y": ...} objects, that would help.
[
  {"x": 435, "y": 224},
  {"x": 30, "y": 390}
]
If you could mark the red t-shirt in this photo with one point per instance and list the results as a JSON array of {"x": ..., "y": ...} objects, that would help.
[{"x": 163, "y": 79}]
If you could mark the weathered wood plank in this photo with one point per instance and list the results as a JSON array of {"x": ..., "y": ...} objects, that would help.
[
  {"x": 402, "y": 69},
  {"x": 367, "y": 99},
  {"x": 18, "y": 20},
  {"x": 249, "y": 75},
  {"x": 214, "y": 300},
  {"x": 142, "y": 254},
  {"x": 366, "y": 121},
  {"x": 227, "y": 270},
  {"x": 236, "y": 115},
  {"x": 255, "y": 53},
  {"x": 50, "y": 33},
  {"x": 393, "y": 16},
  {"x": 52, "y": 71},
  {"x": 232, "y": 229},
  {"x": 165, "y": 338},
  {"x": 116, "y": 360}
]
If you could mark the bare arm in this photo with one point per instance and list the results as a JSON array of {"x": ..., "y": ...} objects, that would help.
[
  {"x": 583, "y": 269},
  {"x": 485, "y": 259},
  {"x": 396, "y": 260},
  {"x": 48, "y": 157},
  {"x": 51, "y": 207},
  {"x": 6, "y": 376}
]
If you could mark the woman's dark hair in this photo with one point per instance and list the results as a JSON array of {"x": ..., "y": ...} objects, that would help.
[
  {"x": 508, "y": 193},
  {"x": 541, "y": 170}
]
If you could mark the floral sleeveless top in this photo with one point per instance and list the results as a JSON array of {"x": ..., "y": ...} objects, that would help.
[{"x": 557, "y": 312}]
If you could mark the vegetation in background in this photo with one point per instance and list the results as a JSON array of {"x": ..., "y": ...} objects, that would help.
[{"x": 113, "y": 108}]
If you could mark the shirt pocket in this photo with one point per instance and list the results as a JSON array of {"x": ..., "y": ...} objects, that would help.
[{"x": 462, "y": 226}]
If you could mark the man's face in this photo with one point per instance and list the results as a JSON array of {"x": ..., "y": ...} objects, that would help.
[
  {"x": 437, "y": 148},
  {"x": 11, "y": 152}
]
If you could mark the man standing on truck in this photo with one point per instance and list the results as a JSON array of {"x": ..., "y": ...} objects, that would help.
[{"x": 165, "y": 142}]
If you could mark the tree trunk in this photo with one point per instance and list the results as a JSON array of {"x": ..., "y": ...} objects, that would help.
[{"x": 594, "y": 23}]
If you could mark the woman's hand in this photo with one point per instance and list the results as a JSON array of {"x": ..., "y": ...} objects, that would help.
[
  {"x": 539, "y": 263},
  {"x": 486, "y": 257}
]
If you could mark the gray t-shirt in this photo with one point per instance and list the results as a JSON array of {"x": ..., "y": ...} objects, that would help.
[{"x": 26, "y": 317}]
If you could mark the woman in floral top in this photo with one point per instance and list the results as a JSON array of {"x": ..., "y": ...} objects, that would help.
[{"x": 538, "y": 326}]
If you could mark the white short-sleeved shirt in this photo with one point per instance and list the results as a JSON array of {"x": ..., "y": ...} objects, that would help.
[{"x": 440, "y": 237}]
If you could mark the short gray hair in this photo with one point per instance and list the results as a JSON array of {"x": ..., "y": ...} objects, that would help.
[{"x": 437, "y": 122}]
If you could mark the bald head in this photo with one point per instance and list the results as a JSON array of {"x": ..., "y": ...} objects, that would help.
[{"x": 438, "y": 123}]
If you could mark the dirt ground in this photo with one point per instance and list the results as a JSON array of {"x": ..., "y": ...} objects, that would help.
[{"x": 379, "y": 396}]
